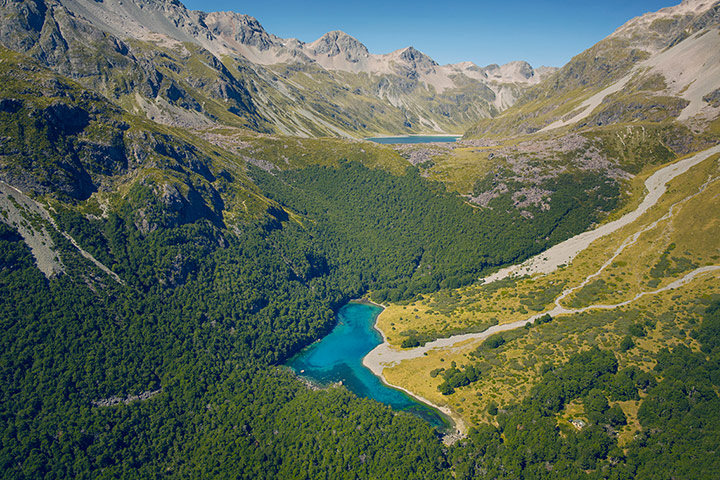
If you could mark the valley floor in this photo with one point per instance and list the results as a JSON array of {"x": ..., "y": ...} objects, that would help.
[{"x": 629, "y": 263}]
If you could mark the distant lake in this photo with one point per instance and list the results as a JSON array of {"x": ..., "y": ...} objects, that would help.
[
  {"x": 415, "y": 139},
  {"x": 338, "y": 358}
]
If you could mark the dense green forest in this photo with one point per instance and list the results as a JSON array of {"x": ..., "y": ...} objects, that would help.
[
  {"x": 404, "y": 235},
  {"x": 222, "y": 409}
]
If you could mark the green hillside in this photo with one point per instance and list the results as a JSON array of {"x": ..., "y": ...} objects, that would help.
[
  {"x": 177, "y": 220},
  {"x": 208, "y": 269}
]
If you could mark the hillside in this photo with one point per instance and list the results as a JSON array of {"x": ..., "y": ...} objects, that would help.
[
  {"x": 643, "y": 96},
  {"x": 176, "y": 222},
  {"x": 197, "y": 69},
  {"x": 660, "y": 68}
]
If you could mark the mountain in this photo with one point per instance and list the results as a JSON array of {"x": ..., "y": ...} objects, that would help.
[
  {"x": 166, "y": 246},
  {"x": 660, "y": 67},
  {"x": 202, "y": 69}
]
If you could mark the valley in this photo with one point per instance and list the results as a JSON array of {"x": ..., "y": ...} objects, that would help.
[
  {"x": 620, "y": 283},
  {"x": 189, "y": 204}
]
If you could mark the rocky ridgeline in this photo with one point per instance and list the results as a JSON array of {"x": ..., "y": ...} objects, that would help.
[{"x": 165, "y": 60}]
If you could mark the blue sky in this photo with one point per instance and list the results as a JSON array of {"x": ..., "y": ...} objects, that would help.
[{"x": 540, "y": 32}]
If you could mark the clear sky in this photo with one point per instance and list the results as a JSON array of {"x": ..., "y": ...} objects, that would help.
[{"x": 541, "y": 32}]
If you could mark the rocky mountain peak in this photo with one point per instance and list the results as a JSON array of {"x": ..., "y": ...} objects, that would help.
[
  {"x": 521, "y": 66},
  {"x": 141, "y": 19},
  {"x": 415, "y": 61},
  {"x": 168, "y": 92},
  {"x": 239, "y": 28},
  {"x": 412, "y": 55},
  {"x": 336, "y": 43},
  {"x": 655, "y": 31},
  {"x": 516, "y": 72}
]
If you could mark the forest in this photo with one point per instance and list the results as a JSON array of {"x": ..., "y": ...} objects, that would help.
[
  {"x": 206, "y": 315},
  {"x": 233, "y": 251},
  {"x": 405, "y": 235}
]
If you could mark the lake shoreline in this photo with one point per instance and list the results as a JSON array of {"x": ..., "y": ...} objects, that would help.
[
  {"x": 458, "y": 425},
  {"x": 413, "y": 139},
  {"x": 336, "y": 359}
]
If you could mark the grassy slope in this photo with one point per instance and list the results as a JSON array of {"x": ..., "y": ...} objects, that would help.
[
  {"x": 561, "y": 94},
  {"x": 510, "y": 370},
  {"x": 135, "y": 150},
  {"x": 310, "y": 99}
]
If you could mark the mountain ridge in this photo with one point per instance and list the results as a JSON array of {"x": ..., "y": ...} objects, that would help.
[
  {"x": 639, "y": 65},
  {"x": 403, "y": 91}
]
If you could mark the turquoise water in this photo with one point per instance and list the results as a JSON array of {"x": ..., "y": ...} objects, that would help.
[
  {"x": 338, "y": 358},
  {"x": 414, "y": 139}
]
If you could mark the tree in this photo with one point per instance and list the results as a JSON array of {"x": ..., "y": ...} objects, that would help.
[{"x": 626, "y": 343}]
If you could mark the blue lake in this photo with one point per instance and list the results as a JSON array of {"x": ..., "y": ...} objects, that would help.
[
  {"x": 338, "y": 358},
  {"x": 415, "y": 139}
]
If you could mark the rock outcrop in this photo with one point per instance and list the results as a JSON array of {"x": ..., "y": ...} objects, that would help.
[{"x": 195, "y": 69}]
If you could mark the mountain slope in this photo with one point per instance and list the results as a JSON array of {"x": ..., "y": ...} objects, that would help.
[
  {"x": 635, "y": 74},
  {"x": 198, "y": 69}
]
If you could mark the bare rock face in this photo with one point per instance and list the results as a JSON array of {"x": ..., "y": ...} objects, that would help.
[
  {"x": 340, "y": 43},
  {"x": 518, "y": 71},
  {"x": 243, "y": 29},
  {"x": 417, "y": 61}
]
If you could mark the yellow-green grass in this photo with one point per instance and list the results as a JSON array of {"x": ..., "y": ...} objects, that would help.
[
  {"x": 509, "y": 371},
  {"x": 295, "y": 152},
  {"x": 626, "y": 434},
  {"x": 461, "y": 168},
  {"x": 687, "y": 240},
  {"x": 475, "y": 307},
  {"x": 574, "y": 410},
  {"x": 692, "y": 228}
]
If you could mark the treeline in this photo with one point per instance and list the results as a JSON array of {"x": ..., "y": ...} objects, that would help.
[{"x": 404, "y": 235}]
